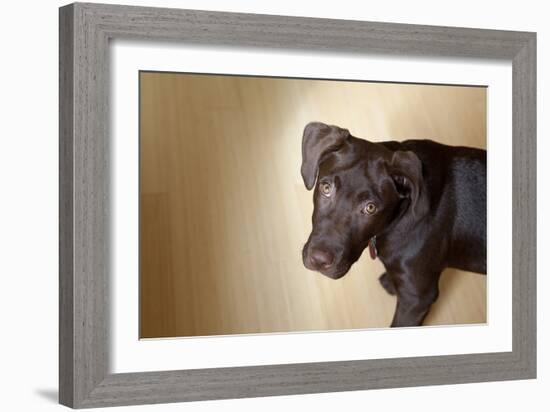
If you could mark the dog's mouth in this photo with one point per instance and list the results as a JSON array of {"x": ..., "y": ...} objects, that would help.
[
  {"x": 332, "y": 261},
  {"x": 335, "y": 274},
  {"x": 336, "y": 271}
]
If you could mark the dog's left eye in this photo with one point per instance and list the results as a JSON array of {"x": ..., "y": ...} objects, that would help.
[
  {"x": 326, "y": 189},
  {"x": 368, "y": 209}
]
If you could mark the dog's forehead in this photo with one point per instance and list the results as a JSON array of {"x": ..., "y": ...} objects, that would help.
[{"x": 356, "y": 156}]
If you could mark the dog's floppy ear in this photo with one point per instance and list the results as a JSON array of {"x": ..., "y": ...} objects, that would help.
[
  {"x": 406, "y": 170},
  {"x": 318, "y": 139}
]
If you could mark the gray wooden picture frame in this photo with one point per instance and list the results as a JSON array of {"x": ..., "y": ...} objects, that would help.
[{"x": 85, "y": 31}]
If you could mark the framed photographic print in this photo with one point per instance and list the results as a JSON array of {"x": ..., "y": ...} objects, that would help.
[{"x": 256, "y": 205}]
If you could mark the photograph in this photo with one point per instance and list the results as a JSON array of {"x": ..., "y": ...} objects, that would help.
[
  {"x": 275, "y": 206},
  {"x": 287, "y": 205}
]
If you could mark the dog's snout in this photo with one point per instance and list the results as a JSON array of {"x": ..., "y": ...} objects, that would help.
[{"x": 321, "y": 259}]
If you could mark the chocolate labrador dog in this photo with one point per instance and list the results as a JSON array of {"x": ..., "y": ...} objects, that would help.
[{"x": 418, "y": 205}]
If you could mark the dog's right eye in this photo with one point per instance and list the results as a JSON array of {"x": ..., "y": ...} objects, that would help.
[{"x": 325, "y": 188}]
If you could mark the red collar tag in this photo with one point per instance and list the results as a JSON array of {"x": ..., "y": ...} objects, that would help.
[{"x": 372, "y": 247}]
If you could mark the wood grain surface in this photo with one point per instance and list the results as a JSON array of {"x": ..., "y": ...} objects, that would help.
[{"x": 224, "y": 212}]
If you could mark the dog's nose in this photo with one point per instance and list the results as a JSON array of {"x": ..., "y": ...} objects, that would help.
[{"x": 321, "y": 259}]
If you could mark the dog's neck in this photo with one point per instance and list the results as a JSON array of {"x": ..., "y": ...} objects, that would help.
[{"x": 398, "y": 228}]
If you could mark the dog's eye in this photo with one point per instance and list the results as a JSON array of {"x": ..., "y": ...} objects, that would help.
[
  {"x": 368, "y": 209},
  {"x": 326, "y": 189}
]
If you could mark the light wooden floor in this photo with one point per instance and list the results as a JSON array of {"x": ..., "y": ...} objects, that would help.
[{"x": 224, "y": 212}]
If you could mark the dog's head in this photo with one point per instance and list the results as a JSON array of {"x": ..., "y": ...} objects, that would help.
[{"x": 359, "y": 187}]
